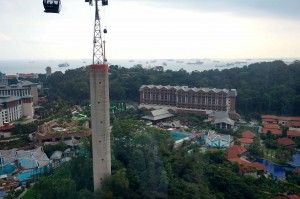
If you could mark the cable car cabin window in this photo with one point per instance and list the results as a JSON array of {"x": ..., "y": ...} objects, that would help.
[
  {"x": 52, "y": 6},
  {"x": 104, "y": 2}
]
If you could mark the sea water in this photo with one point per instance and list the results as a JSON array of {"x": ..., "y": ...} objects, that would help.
[{"x": 12, "y": 67}]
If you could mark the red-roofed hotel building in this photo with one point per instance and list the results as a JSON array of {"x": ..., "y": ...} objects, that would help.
[{"x": 182, "y": 99}]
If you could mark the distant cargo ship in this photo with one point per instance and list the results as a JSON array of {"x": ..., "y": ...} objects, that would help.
[
  {"x": 197, "y": 62},
  {"x": 64, "y": 65}
]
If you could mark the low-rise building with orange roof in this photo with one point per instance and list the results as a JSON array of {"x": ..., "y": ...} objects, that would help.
[
  {"x": 245, "y": 142},
  {"x": 286, "y": 142},
  {"x": 291, "y": 122},
  {"x": 293, "y": 133},
  {"x": 28, "y": 75},
  {"x": 247, "y": 138},
  {"x": 11, "y": 76},
  {"x": 273, "y": 128},
  {"x": 248, "y": 134},
  {"x": 251, "y": 168},
  {"x": 236, "y": 149}
]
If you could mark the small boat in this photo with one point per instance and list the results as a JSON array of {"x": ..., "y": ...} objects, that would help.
[{"x": 64, "y": 65}]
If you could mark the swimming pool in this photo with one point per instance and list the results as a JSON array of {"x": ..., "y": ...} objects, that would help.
[
  {"x": 178, "y": 135},
  {"x": 7, "y": 169},
  {"x": 25, "y": 175},
  {"x": 276, "y": 170},
  {"x": 28, "y": 163}
]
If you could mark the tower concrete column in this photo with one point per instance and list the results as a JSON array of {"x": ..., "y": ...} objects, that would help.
[{"x": 99, "y": 89}]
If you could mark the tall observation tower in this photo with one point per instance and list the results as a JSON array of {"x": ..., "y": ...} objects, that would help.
[{"x": 99, "y": 89}]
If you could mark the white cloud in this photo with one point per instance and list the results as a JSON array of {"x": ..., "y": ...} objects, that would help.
[{"x": 4, "y": 37}]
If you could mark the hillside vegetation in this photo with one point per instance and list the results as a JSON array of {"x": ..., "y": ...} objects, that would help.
[{"x": 263, "y": 88}]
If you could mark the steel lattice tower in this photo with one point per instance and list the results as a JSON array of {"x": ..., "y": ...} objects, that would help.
[{"x": 100, "y": 118}]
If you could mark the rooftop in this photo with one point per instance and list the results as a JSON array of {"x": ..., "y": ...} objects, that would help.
[
  {"x": 245, "y": 140},
  {"x": 248, "y": 134},
  {"x": 285, "y": 141},
  {"x": 231, "y": 92},
  {"x": 293, "y": 133},
  {"x": 158, "y": 115}
]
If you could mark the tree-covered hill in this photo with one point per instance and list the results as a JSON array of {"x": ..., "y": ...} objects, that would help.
[
  {"x": 145, "y": 165},
  {"x": 263, "y": 88}
]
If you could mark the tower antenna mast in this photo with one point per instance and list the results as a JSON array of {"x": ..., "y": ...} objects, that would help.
[{"x": 99, "y": 47}]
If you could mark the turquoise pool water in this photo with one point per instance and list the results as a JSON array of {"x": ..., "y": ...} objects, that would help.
[
  {"x": 178, "y": 135},
  {"x": 7, "y": 169},
  {"x": 28, "y": 163},
  {"x": 25, "y": 175}
]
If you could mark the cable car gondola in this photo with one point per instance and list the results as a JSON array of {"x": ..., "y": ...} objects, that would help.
[
  {"x": 104, "y": 2},
  {"x": 52, "y": 6}
]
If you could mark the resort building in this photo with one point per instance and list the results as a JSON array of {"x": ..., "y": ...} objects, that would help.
[
  {"x": 286, "y": 142},
  {"x": 12, "y": 159},
  {"x": 182, "y": 99},
  {"x": 221, "y": 120},
  {"x": 247, "y": 138},
  {"x": 158, "y": 115},
  {"x": 3, "y": 80},
  {"x": 272, "y": 123},
  {"x": 12, "y": 108},
  {"x": 21, "y": 89},
  {"x": 237, "y": 154},
  {"x": 290, "y": 122},
  {"x": 214, "y": 140},
  {"x": 53, "y": 131}
]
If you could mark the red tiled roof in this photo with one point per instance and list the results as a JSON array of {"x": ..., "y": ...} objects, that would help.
[
  {"x": 247, "y": 166},
  {"x": 258, "y": 166},
  {"x": 294, "y": 196},
  {"x": 269, "y": 117},
  {"x": 248, "y": 134},
  {"x": 293, "y": 133},
  {"x": 245, "y": 140},
  {"x": 11, "y": 76},
  {"x": 295, "y": 123},
  {"x": 241, "y": 161},
  {"x": 285, "y": 141},
  {"x": 289, "y": 118},
  {"x": 236, "y": 149},
  {"x": 274, "y": 117},
  {"x": 26, "y": 75},
  {"x": 270, "y": 120},
  {"x": 273, "y": 131},
  {"x": 231, "y": 156},
  {"x": 7, "y": 127},
  {"x": 271, "y": 126}
]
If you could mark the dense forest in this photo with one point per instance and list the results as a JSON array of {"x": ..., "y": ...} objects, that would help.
[{"x": 263, "y": 88}]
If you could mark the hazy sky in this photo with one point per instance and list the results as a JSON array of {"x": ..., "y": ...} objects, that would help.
[{"x": 153, "y": 29}]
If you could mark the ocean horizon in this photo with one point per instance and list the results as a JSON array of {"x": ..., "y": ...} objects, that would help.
[{"x": 12, "y": 67}]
